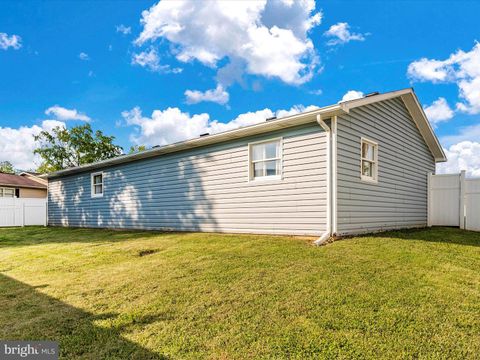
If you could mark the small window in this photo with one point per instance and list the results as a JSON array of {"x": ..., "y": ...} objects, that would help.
[
  {"x": 97, "y": 184},
  {"x": 7, "y": 192},
  {"x": 369, "y": 163},
  {"x": 266, "y": 160}
]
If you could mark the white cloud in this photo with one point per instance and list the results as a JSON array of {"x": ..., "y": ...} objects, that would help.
[
  {"x": 125, "y": 30},
  {"x": 12, "y": 41},
  {"x": 340, "y": 34},
  {"x": 172, "y": 125},
  {"x": 217, "y": 95},
  {"x": 467, "y": 133},
  {"x": 64, "y": 114},
  {"x": 462, "y": 156},
  {"x": 462, "y": 151},
  {"x": 269, "y": 39},
  {"x": 165, "y": 126},
  {"x": 428, "y": 70},
  {"x": 438, "y": 111},
  {"x": 151, "y": 61},
  {"x": 17, "y": 144},
  {"x": 461, "y": 68},
  {"x": 83, "y": 56},
  {"x": 296, "y": 109},
  {"x": 352, "y": 95}
]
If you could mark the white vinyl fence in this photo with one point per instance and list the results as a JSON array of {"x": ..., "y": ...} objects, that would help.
[
  {"x": 472, "y": 204},
  {"x": 454, "y": 200},
  {"x": 23, "y": 211}
]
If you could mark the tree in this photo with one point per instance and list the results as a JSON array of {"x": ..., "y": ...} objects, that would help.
[
  {"x": 137, "y": 148},
  {"x": 7, "y": 167},
  {"x": 63, "y": 148}
]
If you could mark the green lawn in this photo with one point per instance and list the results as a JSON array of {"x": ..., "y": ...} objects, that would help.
[{"x": 137, "y": 295}]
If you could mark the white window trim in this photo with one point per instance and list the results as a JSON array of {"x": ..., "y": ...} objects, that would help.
[
  {"x": 364, "y": 178},
  {"x": 3, "y": 192},
  {"x": 251, "y": 177},
  {"x": 92, "y": 189}
]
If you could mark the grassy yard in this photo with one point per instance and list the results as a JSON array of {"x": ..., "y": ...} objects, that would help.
[{"x": 138, "y": 295}]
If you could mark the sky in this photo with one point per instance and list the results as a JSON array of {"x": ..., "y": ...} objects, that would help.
[{"x": 152, "y": 73}]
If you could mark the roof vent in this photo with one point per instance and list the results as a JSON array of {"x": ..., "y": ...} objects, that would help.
[
  {"x": 204, "y": 134},
  {"x": 372, "y": 94},
  {"x": 271, "y": 118}
]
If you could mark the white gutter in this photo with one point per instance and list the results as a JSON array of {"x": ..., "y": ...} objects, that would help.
[{"x": 322, "y": 240}]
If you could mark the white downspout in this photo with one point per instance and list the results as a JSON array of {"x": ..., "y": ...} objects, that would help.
[{"x": 322, "y": 240}]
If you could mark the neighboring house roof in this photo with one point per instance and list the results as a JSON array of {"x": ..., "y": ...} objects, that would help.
[
  {"x": 34, "y": 176},
  {"x": 20, "y": 181},
  {"x": 407, "y": 95}
]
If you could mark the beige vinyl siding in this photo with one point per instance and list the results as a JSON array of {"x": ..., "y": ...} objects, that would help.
[
  {"x": 205, "y": 189},
  {"x": 399, "y": 199},
  {"x": 33, "y": 193}
]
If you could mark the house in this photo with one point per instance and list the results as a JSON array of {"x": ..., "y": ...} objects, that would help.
[
  {"x": 24, "y": 185},
  {"x": 353, "y": 167}
]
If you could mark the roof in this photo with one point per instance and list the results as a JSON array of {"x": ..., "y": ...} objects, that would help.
[
  {"x": 20, "y": 181},
  {"x": 407, "y": 95},
  {"x": 32, "y": 173}
]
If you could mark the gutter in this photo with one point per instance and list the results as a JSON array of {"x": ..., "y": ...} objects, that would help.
[{"x": 323, "y": 239}]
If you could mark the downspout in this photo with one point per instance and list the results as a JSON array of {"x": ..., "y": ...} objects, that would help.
[{"x": 322, "y": 240}]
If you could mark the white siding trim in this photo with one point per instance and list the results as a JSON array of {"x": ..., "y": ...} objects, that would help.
[
  {"x": 429, "y": 199},
  {"x": 334, "y": 175},
  {"x": 328, "y": 231}
]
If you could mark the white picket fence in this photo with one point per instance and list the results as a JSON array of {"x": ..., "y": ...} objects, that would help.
[
  {"x": 23, "y": 212},
  {"x": 454, "y": 200}
]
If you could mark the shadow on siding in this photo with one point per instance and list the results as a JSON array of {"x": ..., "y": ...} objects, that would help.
[{"x": 164, "y": 193}]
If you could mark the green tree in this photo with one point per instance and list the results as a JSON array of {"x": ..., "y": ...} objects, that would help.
[
  {"x": 62, "y": 148},
  {"x": 137, "y": 148},
  {"x": 7, "y": 167}
]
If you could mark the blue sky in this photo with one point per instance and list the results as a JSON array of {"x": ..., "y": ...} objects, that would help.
[{"x": 180, "y": 69}]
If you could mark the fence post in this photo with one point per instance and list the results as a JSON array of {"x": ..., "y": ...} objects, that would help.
[
  {"x": 429, "y": 199},
  {"x": 46, "y": 213},
  {"x": 23, "y": 213},
  {"x": 462, "y": 199}
]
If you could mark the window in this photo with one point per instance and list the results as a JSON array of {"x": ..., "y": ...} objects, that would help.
[
  {"x": 266, "y": 160},
  {"x": 369, "y": 163},
  {"x": 97, "y": 184},
  {"x": 7, "y": 192}
]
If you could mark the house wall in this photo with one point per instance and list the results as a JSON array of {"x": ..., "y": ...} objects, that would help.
[
  {"x": 399, "y": 200},
  {"x": 205, "y": 189},
  {"x": 33, "y": 193}
]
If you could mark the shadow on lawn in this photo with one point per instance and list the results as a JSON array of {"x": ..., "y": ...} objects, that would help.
[
  {"x": 35, "y": 235},
  {"x": 444, "y": 235},
  {"x": 28, "y": 314}
]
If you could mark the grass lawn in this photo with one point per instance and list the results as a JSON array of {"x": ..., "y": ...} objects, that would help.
[{"x": 138, "y": 295}]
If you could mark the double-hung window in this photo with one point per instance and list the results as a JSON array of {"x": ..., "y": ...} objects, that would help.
[
  {"x": 369, "y": 161},
  {"x": 266, "y": 160},
  {"x": 97, "y": 184},
  {"x": 7, "y": 192}
]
